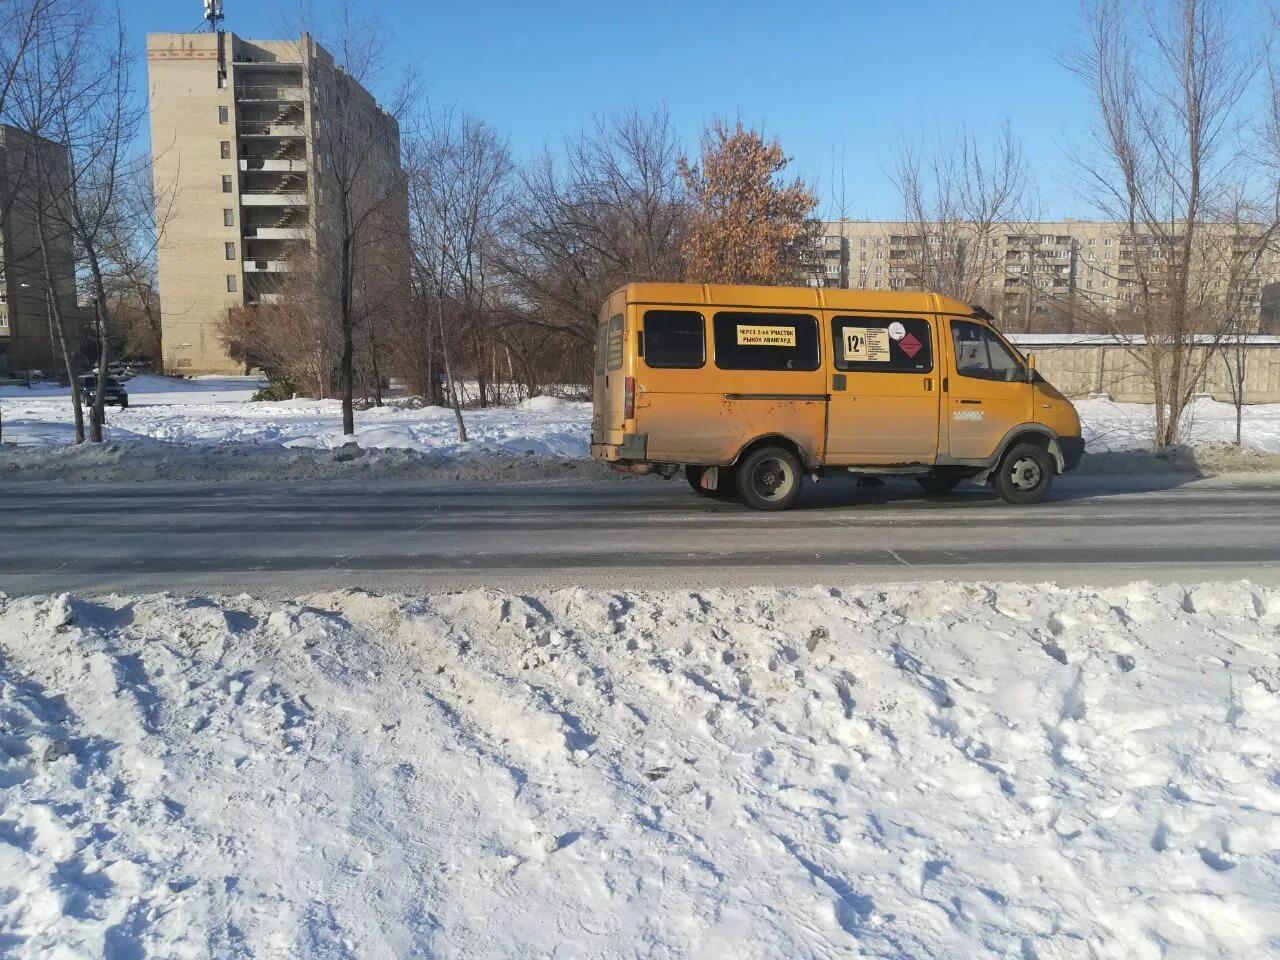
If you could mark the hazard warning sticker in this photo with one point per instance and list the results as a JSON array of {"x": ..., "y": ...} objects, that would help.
[
  {"x": 910, "y": 345},
  {"x": 866, "y": 344}
]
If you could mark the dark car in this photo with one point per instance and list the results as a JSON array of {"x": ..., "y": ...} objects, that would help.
[{"x": 114, "y": 391}]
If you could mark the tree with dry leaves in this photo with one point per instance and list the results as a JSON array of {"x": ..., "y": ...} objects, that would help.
[{"x": 748, "y": 225}]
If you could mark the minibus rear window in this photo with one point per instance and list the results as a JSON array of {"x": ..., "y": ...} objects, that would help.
[
  {"x": 614, "y": 353},
  {"x": 766, "y": 341},
  {"x": 882, "y": 344},
  {"x": 674, "y": 339},
  {"x": 602, "y": 344}
]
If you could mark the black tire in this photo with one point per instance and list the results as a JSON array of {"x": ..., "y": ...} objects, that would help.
[
  {"x": 769, "y": 479},
  {"x": 1025, "y": 474},
  {"x": 124, "y": 404},
  {"x": 724, "y": 486},
  {"x": 939, "y": 484}
]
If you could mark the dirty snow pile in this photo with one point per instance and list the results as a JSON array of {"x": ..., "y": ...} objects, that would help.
[{"x": 932, "y": 770}]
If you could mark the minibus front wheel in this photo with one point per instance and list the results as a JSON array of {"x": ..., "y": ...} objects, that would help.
[
  {"x": 769, "y": 479},
  {"x": 1025, "y": 474}
]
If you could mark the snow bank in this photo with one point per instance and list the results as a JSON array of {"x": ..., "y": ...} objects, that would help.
[
  {"x": 926, "y": 770},
  {"x": 215, "y": 412}
]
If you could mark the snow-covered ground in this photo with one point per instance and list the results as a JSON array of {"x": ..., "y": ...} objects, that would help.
[
  {"x": 218, "y": 410},
  {"x": 931, "y": 770}
]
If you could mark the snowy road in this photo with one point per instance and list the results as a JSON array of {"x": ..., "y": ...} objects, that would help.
[{"x": 276, "y": 538}]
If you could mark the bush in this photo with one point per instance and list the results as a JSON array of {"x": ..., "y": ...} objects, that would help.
[{"x": 277, "y": 388}]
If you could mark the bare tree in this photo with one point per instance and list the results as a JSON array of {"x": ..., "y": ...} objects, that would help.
[
  {"x": 609, "y": 209},
  {"x": 295, "y": 339},
  {"x": 1171, "y": 85},
  {"x": 361, "y": 252},
  {"x": 958, "y": 203},
  {"x": 459, "y": 174}
]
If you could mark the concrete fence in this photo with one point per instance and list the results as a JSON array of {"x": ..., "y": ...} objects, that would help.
[{"x": 1081, "y": 364}]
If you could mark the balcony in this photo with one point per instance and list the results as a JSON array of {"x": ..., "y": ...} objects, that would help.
[
  {"x": 275, "y": 233},
  {"x": 267, "y": 129},
  {"x": 268, "y": 266},
  {"x": 269, "y": 94},
  {"x": 269, "y": 198},
  {"x": 271, "y": 165}
]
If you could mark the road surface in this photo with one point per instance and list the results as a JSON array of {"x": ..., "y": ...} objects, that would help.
[{"x": 273, "y": 538}]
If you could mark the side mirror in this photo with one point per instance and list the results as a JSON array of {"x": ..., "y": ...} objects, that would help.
[{"x": 1031, "y": 368}]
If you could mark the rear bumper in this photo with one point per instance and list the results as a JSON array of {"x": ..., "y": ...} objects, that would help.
[
  {"x": 1072, "y": 452},
  {"x": 634, "y": 446}
]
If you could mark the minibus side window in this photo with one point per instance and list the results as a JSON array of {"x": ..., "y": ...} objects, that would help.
[
  {"x": 882, "y": 344},
  {"x": 614, "y": 354},
  {"x": 674, "y": 339},
  {"x": 980, "y": 354},
  {"x": 766, "y": 341}
]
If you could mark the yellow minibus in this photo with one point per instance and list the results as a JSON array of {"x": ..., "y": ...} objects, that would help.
[{"x": 752, "y": 389}]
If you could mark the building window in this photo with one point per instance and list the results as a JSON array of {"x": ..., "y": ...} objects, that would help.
[
  {"x": 224, "y": 114},
  {"x": 222, "y": 81},
  {"x": 224, "y": 149},
  {"x": 226, "y": 183},
  {"x": 231, "y": 283},
  {"x": 674, "y": 339},
  {"x": 228, "y": 217},
  {"x": 230, "y": 250}
]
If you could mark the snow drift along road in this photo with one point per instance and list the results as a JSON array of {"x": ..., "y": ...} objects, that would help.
[{"x": 931, "y": 771}]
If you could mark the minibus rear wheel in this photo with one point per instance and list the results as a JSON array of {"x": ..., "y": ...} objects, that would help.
[
  {"x": 724, "y": 487},
  {"x": 769, "y": 479},
  {"x": 1025, "y": 475}
]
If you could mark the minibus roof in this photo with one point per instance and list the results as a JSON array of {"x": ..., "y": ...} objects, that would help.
[{"x": 814, "y": 298}]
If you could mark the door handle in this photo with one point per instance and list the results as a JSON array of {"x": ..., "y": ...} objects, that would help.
[{"x": 971, "y": 401}]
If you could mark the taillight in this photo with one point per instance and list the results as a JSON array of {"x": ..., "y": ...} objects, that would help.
[{"x": 629, "y": 398}]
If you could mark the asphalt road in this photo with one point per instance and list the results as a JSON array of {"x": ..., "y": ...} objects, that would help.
[{"x": 273, "y": 538}]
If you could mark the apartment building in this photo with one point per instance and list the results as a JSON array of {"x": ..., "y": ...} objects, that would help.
[
  {"x": 25, "y": 342},
  {"x": 240, "y": 134},
  {"x": 1040, "y": 276}
]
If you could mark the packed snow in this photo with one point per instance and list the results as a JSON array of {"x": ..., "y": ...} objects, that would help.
[{"x": 930, "y": 770}]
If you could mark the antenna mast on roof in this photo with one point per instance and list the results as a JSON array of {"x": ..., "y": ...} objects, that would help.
[{"x": 214, "y": 16}]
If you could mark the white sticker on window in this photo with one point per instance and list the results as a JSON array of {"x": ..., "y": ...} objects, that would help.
[
  {"x": 866, "y": 344},
  {"x": 897, "y": 331}
]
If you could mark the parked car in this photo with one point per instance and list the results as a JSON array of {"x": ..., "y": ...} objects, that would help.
[
  {"x": 114, "y": 390},
  {"x": 751, "y": 389}
]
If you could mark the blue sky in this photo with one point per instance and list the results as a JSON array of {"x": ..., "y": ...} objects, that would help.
[{"x": 826, "y": 78}]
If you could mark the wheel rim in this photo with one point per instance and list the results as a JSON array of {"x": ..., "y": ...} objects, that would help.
[
  {"x": 1026, "y": 474},
  {"x": 773, "y": 479}
]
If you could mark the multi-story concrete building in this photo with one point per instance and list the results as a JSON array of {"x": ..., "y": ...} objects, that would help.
[
  {"x": 238, "y": 134},
  {"x": 32, "y": 170},
  {"x": 1041, "y": 276}
]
